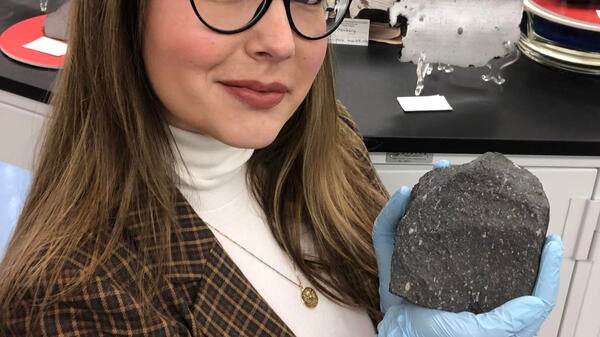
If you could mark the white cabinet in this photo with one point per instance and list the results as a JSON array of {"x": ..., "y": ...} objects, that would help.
[
  {"x": 569, "y": 184},
  {"x": 21, "y": 121},
  {"x": 583, "y": 302}
]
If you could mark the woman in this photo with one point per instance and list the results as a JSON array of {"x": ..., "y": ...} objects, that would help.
[{"x": 198, "y": 178}]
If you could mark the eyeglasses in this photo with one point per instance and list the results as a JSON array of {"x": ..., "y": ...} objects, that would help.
[{"x": 311, "y": 19}]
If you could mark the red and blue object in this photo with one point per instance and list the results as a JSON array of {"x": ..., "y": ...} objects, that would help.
[{"x": 570, "y": 25}]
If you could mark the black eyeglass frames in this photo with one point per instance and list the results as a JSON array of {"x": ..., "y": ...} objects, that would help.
[{"x": 310, "y": 19}]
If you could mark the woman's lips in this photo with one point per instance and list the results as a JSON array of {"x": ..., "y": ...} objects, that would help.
[{"x": 256, "y": 94}]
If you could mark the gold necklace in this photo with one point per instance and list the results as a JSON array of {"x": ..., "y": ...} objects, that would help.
[{"x": 307, "y": 294}]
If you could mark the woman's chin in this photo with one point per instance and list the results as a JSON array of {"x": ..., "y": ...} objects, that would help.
[{"x": 253, "y": 140}]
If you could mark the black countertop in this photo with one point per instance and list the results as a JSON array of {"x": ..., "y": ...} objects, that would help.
[{"x": 539, "y": 110}]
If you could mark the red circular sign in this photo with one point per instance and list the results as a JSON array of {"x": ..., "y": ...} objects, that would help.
[{"x": 13, "y": 39}]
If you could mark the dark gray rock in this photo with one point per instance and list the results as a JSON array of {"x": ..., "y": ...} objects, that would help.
[{"x": 472, "y": 236}]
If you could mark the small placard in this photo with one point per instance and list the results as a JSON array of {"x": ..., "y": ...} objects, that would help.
[
  {"x": 409, "y": 157},
  {"x": 424, "y": 103},
  {"x": 48, "y": 46},
  {"x": 351, "y": 32}
]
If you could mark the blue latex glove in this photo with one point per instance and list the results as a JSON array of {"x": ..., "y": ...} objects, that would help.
[{"x": 520, "y": 317}]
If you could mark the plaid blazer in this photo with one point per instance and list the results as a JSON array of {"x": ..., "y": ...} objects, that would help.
[
  {"x": 206, "y": 295},
  {"x": 214, "y": 299}
]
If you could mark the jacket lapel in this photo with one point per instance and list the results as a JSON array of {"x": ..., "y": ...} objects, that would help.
[{"x": 206, "y": 291}]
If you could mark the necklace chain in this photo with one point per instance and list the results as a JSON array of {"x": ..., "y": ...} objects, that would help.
[
  {"x": 299, "y": 283},
  {"x": 307, "y": 294}
]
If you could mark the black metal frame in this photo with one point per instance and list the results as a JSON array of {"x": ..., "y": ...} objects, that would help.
[{"x": 262, "y": 12}]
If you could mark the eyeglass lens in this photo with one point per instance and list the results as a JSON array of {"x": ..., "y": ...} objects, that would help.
[{"x": 312, "y": 18}]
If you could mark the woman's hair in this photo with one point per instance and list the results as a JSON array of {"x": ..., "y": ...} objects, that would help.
[{"x": 107, "y": 145}]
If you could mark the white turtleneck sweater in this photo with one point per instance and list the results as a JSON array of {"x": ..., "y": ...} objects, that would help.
[{"x": 215, "y": 186}]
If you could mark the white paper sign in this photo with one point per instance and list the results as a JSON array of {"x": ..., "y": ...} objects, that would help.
[
  {"x": 424, "y": 103},
  {"x": 48, "y": 46},
  {"x": 351, "y": 32}
]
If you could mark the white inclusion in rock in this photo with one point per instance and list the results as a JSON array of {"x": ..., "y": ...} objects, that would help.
[
  {"x": 407, "y": 286},
  {"x": 458, "y": 32}
]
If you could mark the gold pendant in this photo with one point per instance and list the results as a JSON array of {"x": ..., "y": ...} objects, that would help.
[{"x": 309, "y": 297}]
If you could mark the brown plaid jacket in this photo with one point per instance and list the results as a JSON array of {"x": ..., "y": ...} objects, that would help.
[{"x": 214, "y": 299}]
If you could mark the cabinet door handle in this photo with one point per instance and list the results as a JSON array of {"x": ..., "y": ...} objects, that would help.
[{"x": 581, "y": 222}]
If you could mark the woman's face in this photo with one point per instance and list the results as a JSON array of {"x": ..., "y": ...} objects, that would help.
[{"x": 209, "y": 82}]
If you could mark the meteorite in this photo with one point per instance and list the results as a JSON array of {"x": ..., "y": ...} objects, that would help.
[{"x": 471, "y": 237}]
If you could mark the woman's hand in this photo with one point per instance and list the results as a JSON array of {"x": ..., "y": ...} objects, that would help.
[{"x": 521, "y": 317}]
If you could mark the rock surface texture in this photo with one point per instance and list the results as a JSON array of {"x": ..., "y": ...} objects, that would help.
[{"x": 472, "y": 236}]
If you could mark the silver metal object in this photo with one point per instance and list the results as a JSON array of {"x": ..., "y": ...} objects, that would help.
[{"x": 44, "y": 6}]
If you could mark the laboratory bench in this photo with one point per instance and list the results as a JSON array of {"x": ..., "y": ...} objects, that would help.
[{"x": 544, "y": 119}]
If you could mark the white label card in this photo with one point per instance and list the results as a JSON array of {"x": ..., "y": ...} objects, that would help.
[
  {"x": 351, "y": 32},
  {"x": 409, "y": 157},
  {"x": 48, "y": 46},
  {"x": 424, "y": 103}
]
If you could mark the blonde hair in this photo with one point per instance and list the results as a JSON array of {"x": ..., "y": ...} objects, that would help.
[{"x": 107, "y": 145}]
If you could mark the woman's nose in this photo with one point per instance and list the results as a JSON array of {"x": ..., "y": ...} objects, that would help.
[{"x": 272, "y": 38}]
